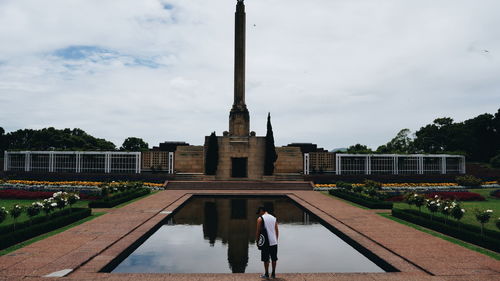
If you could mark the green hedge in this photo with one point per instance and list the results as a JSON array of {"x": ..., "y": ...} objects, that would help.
[
  {"x": 361, "y": 200},
  {"x": 42, "y": 218},
  {"x": 44, "y": 225},
  {"x": 452, "y": 222},
  {"x": 465, "y": 232},
  {"x": 119, "y": 198}
]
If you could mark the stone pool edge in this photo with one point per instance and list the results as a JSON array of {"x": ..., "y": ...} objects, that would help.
[
  {"x": 114, "y": 254},
  {"x": 91, "y": 243}
]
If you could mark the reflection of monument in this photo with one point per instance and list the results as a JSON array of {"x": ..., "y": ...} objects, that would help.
[
  {"x": 232, "y": 221},
  {"x": 210, "y": 222}
]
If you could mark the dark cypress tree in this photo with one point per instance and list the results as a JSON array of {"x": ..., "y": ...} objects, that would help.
[
  {"x": 212, "y": 155},
  {"x": 271, "y": 155}
]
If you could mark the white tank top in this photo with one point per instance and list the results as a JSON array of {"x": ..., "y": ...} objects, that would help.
[{"x": 270, "y": 223}]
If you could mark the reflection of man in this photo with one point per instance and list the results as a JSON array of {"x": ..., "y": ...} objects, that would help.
[{"x": 267, "y": 224}]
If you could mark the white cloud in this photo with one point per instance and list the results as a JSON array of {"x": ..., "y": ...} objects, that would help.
[{"x": 331, "y": 72}]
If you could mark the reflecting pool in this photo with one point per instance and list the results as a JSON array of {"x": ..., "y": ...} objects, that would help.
[{"x": 217, "y": 235}]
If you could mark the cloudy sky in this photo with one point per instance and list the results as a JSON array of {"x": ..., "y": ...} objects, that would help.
[{"x": 332, "y": 72}]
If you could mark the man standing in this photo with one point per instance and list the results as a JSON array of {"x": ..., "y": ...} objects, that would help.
[{"x": 267, "y": 224}]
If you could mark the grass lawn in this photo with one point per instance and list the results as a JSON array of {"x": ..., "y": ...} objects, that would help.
[
  {"x": 135, "y": 199},
  {"x": 491, "y": 203},
  {"x": 346, "y": 201},
  {"x": 8, "y": 203}
]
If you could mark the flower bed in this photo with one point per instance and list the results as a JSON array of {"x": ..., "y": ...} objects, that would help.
[
  {"x": 26, "y": 194},
  {"x": 26, "y": 230},
  {"x": 425, "y": 186},
  {"x": 465, "y": 232},
  {"x": 451, "y": 195},
  {"x": 360, "y": 199},
  {"x": 66, "y": 183},
  {"x": 457, "y": 195},
  {"x": 119, "y": 198},
  {"x": 69, "y": 183}
]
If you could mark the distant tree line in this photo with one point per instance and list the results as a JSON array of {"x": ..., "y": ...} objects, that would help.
[
  {"x": 477, "y": 138},
  {"x": 65, "y": 139}
]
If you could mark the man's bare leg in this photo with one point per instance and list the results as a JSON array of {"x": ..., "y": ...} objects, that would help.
[
  {"x": 266, "y": 268},
  {"x": 273, "y": 274}
]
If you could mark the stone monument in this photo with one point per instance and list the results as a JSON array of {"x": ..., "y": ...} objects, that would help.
[
  {"x": 239, "y": 118},
  {"x": 241, "y": 152}
]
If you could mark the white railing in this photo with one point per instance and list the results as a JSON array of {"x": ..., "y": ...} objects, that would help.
[
  {"x": 394, "y": 164},
  {"x": 73, "y": 161}
]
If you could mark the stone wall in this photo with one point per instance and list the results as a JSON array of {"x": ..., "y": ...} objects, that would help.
[
  {"x": 189, "y": 159},
  {"x": 251, "y": 147},
  {"x": 290, "y": 160}
]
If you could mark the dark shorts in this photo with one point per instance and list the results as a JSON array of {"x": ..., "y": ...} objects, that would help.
[{"x": 269, "y": 251}]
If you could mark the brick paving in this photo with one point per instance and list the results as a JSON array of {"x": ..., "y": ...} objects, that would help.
[{"x": 87, "y": 248}]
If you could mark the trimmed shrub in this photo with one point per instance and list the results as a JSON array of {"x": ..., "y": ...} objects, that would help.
[
  {"x": 465, "y": 232},
  {"x": 397, "y": 198},
  {"x": 40, "y": 225},
  {"x": 468, "y": 180},
  {"x": 361, "y": 200},
  {"x": 7, "y": 228},
  {"x": 119, "y": 198},
  {"x": 212, "y": 155},
  {"x": 495, "y": 193},
  {"x": 3, "y": 214},
  {"x": 26, "y": 194},
  {"x": 372, "y": 184},
  {"x": 344, "y": 185}
]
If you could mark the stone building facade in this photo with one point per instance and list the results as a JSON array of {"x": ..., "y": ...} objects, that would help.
[{"x": 190, "y": 159}]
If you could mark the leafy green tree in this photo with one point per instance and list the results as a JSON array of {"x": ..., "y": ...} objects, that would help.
[
  {"x": 271, "y": 156},
  {"x": 483, "y": 216},
  {"x": 359, "y": 149},
  {"x": 54, "y": 139},
  {"x": 134, "y": 144},
  {"x": 478, "y": 138},
  {"x": 401, "y": 143},
  {"x": 15, "y": 212},
  {"x": 212, "y": 155},
  {"x": 2, "y": 142}
]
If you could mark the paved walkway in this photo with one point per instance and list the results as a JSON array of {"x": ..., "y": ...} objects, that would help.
[{"x": 87, "y": 248}]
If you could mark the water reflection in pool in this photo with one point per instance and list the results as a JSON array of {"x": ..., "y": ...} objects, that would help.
[{"x": 217, "y": 235}]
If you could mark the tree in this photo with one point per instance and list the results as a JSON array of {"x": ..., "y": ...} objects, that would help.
[
  {"x": 401, "y": 143},
  {"x": 134, "y": 144},
  {"x": 54, "y": 139},
  {"x": 212, "y": 155},
  {"x": 270, "y": 156},
  {"x": 478, "y": 138},
  {"x": 359, "y": 149},
  {"x": 2, "y": 141}
]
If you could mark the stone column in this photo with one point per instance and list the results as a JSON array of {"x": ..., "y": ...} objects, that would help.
[
  {"x": 239, "y": 118},
  {"x": 239, "y": 56}
]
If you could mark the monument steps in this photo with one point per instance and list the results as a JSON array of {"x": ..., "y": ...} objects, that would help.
[
  {"x": 239, "y": 185},
  {"x": 189, "y": 177},
  {"x": 289, "y": 177}
]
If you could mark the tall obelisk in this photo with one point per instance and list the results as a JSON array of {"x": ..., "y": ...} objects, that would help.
[{"x": 239, "y": 118}]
